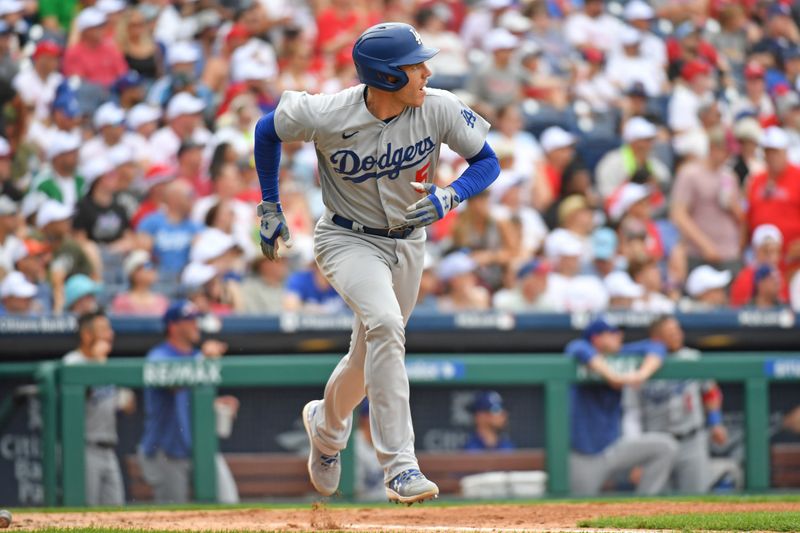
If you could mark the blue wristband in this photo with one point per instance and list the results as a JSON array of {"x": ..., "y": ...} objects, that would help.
[{"x": 714, "y": 418}]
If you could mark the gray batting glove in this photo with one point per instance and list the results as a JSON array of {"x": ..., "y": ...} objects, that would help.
[
  {"x": 433, "y": 207},
  {"x": 273, "y": 225}
]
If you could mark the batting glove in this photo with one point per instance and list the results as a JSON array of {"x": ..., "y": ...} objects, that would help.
[
  {"x": 273, "y": 225},
  {"x": 433, "y": 207}
]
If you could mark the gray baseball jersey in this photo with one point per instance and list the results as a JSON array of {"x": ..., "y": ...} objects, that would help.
[
  {"x": 366, "y": 164},
  {"x": 101, "y": 407}
]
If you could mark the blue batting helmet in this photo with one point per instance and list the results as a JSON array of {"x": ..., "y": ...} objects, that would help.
[{"x": 383, "y": 49}]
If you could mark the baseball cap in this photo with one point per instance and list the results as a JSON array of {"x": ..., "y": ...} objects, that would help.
[
  {"x": 754, "y": 71},
  {"x": 52, "y": 211},
  {"x": 554, "y": 138},
  {"x": 141, "y": 114},
  {"x": 630, "y": 194},
  {"x": 126, "y": 81},
  {"x": 78, "y": 286},
  {"x": 489, "y": 400},
  {"x": 597, "y": 327},
  {"x": 237, "y": 31},
  {"x": 62, "y": 142},
  {"x": 120, "y": 155},
  {"x": 787, "y": 102},
  {"x": 561, "y": 243},
  {"x": 110, "y": 6},
  {"x": 211, "y": 244},
  {"x": 158, "y": 173},
  {"x": 456, "y": 264},
  {"x": 68, "y": 105},
  {"x": 765, "y": 233},
  {"x": 46, "y": 47},
  {"x": 638, "y": 128},
  {"x": 705, "y": 278},
  {"x": 638, "y": 10},
  {"x": 534, "y": 266},
  {"x": 593, "y": 55},
  {"x": 195, "y": 275},
  {"x": 251, "y": 70},
  {"x": 8, "y": 206},
  {"x": 500, "y": 39},
  {"x": 180, "y": 310},
  {"x": 135, "y": 259},
  {"x": 32, "y": 247},
  {"x": 15, "y": 285},
  {"x": 604, "y": 243},
  {"x": 95, "y": 168},
  {"x": 514, "y": 21},
  {"x": 571, "y": 204},
  {"x": 630, "y": 36},
  {"x": 637, "y": 89},
  {"x": 695, "y": 67},
  {"x": 108, "y": 114},
  {"x": 8, "y": 7},
  {"x": 774, "y": 138},
  {"x": 91, "y": 17},
  {"x": 685, "y": 29},
  {"x": 620, "y": 285},
  {"x": 184, "y": 104},
  {"x": 182, "y": 52},
  {"x": 748, "y": 128}
]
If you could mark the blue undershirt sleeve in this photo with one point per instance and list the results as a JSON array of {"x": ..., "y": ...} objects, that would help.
[
  {"x": 267, "y": 153},
  {"x": 483, "y": 169}
]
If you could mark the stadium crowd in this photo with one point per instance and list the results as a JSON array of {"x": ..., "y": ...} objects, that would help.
[{"x": 650, "y": 153}]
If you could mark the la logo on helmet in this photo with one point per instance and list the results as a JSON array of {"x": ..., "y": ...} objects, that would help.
[{"x": 416, "y": 36}]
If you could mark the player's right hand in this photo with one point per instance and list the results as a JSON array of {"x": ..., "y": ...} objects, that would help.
[{"x": 273, "y": 225}]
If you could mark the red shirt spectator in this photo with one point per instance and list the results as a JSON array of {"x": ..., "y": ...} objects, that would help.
[
  {"x": 774, "y": 195},
  {"x": 766, "y": 243},
  {"x": 340, "y": 25},
  {"x": 94, "y": 58}
]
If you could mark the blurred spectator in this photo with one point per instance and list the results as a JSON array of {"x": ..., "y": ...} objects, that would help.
[
  {"x": 183, "y": 123},
  {"x": 623, "y": 292},
  {"x": 169, "y": 232},
  {"x": 707, "y": 208},
  {"x": 8, "y": 187},
  {"x": 634, "y": 160},
  {"x": 593, "y": 27},
  {"x": 755, "y": 99},
  {"x": 749, "y": 161},
  {"x": 182, "y": 58},
  {"x": 37, "y": 84},
  {"x": 450, "y": 67},
  {"x": 262, "y": 290},
  {"x": 203, "y": 285},
  {"x": 140, "y": 298},
  {"x": 428, "y": 286},
  {"x": 766, "y": 245},
  {"x": 774, "y": 195},
  {"x": 340, "y": 24},
  {"x": 109, "y": 122},
  {"x": 593, "y": 84},
  {"x": 10, "y": 244},
  {"x": 54, "y": 221},
  {"x": 308, "y": 291},
  {"x": 154, "y": 187},
  {"x": 369, "y": 472},
  {"x": 140, "y": 50},
  {"x": 706, "y": 288},
  {"x": 680, "y": 408},
  {"x": 491, "y": 424},
  {"x": 190, "y": 168},
  {"x": 598, "y": 448},
  {"x": 646, "y": 274},
  {"x": 81, "y": 294},
  {"x": 166, "y": 447},
  {"x": 604, "y": 251},
  {"x": 576, "y": 217},
  {"x": 559, "y": 151},
  {"x": 767, "y": 281},
  {"x": 103, "y": 479},
  {"x": 499, "y": 82},
  {"x": 100, "y": 217},
  {"x": 508, "y": 130},
  {"x": 17, "y": 296},
  {"x": 462, "y": 291},
  {"x": 527, "y": 293},
  {"x": 65, "y": 117},
  {"x": 32, "y": 260},
  {"x": 687, "y": 96},
  {"x": 60, "y": 181},
  {"x": 94, "y": 58},
  {"x": 486, "y": 237},
  {"x": 142, "y": 120},
  {"x": 568, "y": 290},
  {"x": 640, "y": 15},
  {"x": 630, "y": 66}
]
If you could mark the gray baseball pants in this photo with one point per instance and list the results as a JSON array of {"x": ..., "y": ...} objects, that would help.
[
  {"x": 170, "y": 478},
  {"x": 103, "y": 480},
  {"x": 378, "y": 278},
  {"x": 692, "y": 468},
  {"x": 655, "y": 452}
]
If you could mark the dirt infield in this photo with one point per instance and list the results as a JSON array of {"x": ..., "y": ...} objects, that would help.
[{"x": 532, "y": 517}]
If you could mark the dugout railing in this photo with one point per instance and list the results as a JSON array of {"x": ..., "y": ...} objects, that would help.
[{"x": 64, "y": 393}]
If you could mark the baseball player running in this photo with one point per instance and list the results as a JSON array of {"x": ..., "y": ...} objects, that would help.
[{"x": 377, "y": 148}]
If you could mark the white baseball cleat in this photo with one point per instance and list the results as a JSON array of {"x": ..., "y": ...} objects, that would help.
[
  {"x": 411, "y": 486},
  {"x": 324, "y": 470}
]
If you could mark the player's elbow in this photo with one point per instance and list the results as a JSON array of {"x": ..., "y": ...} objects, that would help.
[{"x": 265, "y": 128}]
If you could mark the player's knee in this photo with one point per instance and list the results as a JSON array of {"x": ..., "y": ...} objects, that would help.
[
  {"x": 664, "y": 445},
  {"x": 387, "y": 325}
]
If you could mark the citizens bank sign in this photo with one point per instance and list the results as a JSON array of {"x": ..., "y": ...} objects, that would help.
[{"x": 182, "y": 374}]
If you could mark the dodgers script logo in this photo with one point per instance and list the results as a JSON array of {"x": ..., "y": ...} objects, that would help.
[{"x": 394, "y": 160}]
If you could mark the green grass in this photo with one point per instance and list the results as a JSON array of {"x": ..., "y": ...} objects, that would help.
[
  {"x": 751, "y": 521},
  {"x": 442, "y": 502}
]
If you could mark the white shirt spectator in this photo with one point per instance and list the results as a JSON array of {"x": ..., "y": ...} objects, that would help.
[
  {"x": 527, "y": 152},
  {"x": 254, "y": 51},
  {"x": 602, "y": 32},
  {"x": 244, "y": 221},
  {"x": 599, "y": 92},
  {"x": 625, "y": 70},
  {"x": 683, "y": 108},
  {"x": 37, "y": 92},
  {"x": 452, "y": 57},
  {"x": 164, "y": 144},
  {"x": 10, "y": 250},
  {"x": 575, "y": 294},
  {"x": 794, "y": 292},
  {"x": 654, "y": 302},
  {"x": 97, "y": 147}
]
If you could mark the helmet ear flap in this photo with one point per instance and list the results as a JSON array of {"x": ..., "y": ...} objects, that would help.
[{"x": 397, "y": 81}]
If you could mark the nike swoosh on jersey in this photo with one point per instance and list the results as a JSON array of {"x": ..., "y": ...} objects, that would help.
[{"x": 346, "y": 136}]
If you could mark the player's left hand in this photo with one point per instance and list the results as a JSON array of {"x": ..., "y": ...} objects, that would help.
[{"x": 438, "y": 202}]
